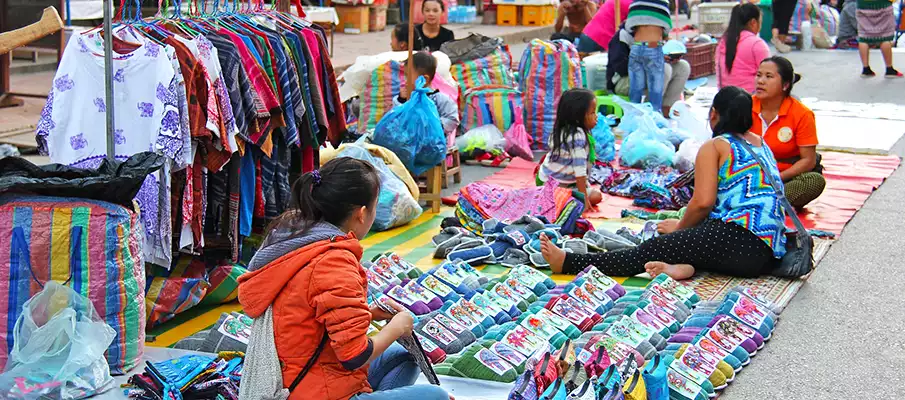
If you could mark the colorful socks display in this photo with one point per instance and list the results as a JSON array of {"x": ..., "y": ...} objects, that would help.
[
  {"x": 478, "y": 362},
  {"x": 451, "y": 339}
]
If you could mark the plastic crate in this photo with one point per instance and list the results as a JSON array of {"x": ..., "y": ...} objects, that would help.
[
  {"x": 713, "y": 18},
  {"x": 549, "y": 15},
  {"x": 532, "y": 15},
  {"x": 506, "y": 15},
  {"x": 701, "y": 59}
]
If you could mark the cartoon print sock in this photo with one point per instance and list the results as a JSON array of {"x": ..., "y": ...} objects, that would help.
[
  {"x": 439, "y": 288},
  {"x": 699, "y": 323},
  {"x": 706, "y": 320},
  {"x": 656, "y": 339},
  {"x": 729, "y": 358},
  {"x": 455, "y": 312},
  {"x": 679, "y": 314},
  {"x": 664, "y": 333},
  {"x": 506, "y": 294},
  {"x": 750, "y": 313},
  {"x": 516, "y": 359},
  {"x": 616, "y": 350},
  {"x": 626, "y": 331},
  {"x": 508, "y": 306},
  {"x": 433, "y": 301},
  {"x": 451, "y": 342},
  {"x": 739, "y": 351},
  {"x": 535, "y": 285},
  {"x": 519, "y": 289},
  {"x": 543, "y": 328},
  {"x": 446, "y": 273},
  {"x": 748, "y": 345},
  {"x": 605, "y": 281},
  {"x": 480, "y": 363},
  {"x": 718, "y": 377},
  {"x": 499, "y": 315},
  {"x": 407, "y": 299},
  {"x": 469, "y": 270},
  {"x": 654, "y": 374},
  {"x": 585, "y": 281},
  {"x": 682, "y": 387},
  {"x": 678, "y": 310},
  {"x": 566, "y": 309},
  {"x": 532, "y": 275},
  {"x": 664, "y": 320},
  {"x": 564, "y": 325},
  {"x": 682, "y": 291},
  {"x": 760, "y": 300}
]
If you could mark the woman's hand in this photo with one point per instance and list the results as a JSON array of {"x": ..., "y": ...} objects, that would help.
[
  {"x": 668, "y": 226},
  {"x": 402, "y": 324},
  {"x": 378, "y": 314}
]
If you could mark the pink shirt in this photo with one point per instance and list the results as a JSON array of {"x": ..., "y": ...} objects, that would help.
[
  {"x": 603, "y": 26},
  {"x": 750, "y": 52}
]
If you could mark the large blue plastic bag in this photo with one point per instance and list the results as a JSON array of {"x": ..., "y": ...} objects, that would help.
[
  {"x": 58, "y": 348},
  {"x": 395, "y": 204},
  {"x": 605, "y": 141},
  {"x": 648, "y": 146},
  {"x": 413, "y": 131}
]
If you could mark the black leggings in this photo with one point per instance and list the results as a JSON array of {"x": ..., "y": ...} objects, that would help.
[
  {"x": 782, "y": 15},
  {"x": 716, "y": 246}
]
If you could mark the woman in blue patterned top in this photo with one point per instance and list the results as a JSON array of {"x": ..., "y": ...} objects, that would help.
[{"x": 734, "y": 224}]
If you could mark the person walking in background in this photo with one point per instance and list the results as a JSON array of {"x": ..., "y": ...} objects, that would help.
[
  {"x": 579, "y": 13},
  {"x": 598, "y": 33},
  {"x": 740, "y": 51},
  {"x": 876, "y": 26},
  {"x": 782, "y": 17}
]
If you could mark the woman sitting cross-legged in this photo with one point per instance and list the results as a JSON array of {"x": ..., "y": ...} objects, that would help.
[{"x": 734, "y": 223}]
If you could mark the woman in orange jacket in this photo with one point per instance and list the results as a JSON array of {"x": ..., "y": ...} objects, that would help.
[{"x": 307, "y": 274}]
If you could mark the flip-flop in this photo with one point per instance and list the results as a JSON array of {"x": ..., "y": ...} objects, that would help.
[
  {"x": 500, "y": 161},
  {"x": 513, "y": 258}
]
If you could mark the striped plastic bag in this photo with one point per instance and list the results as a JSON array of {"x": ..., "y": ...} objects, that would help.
[
  {"x": 546, "y": 70},
  {"x": 490, "y": 105},
  {"x": 172, "y": 292},
  {"x": 376, "y": 99},
  {"x": 92, "y": 246},
  {"x": 492, "y": 69}
]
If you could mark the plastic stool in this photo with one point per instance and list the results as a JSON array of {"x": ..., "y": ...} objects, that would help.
[{"x": 609, "y": 103}]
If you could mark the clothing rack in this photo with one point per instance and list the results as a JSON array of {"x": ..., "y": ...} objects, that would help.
[{"x": 108, "y": 75}]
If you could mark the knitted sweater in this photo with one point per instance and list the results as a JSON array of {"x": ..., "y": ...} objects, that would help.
[{"x": 649, "y": 12}]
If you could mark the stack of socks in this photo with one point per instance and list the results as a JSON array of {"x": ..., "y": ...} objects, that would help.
[
  {"x": 743, "y": 310},
  {"x": 590, "y": 295},
  {"x": 531, "y": 275},
  {"x": 448, "y": 275},
  {"x": 682, "y": 387},
  {"x": 478, "y": 362},
  {"x": 710, "y": 381},
  {"x": 384, "y": 275},
  {"x": 640, "y": 316},
  {"x": 499, "y": 315},
  {"x": 476, "y": 323},
  {"x": 433, "y": 301},
  {"x": 720, "y": 377},
  {"x": 537, "y": 326},
  {"x": 450, "y": 339},
  {"x": 526, "y": 286},
  {"x": 506, "y": 294},
  {"x": 668, "y": 287},
  {"x": 518, "y": 360},
  {"x": 475, "y": 252},
  {"x": 626, "y": 330},
  {"x": 396, "y": 265},
  {"x": 513, "y": 288},
  {"x": 728, "y": 356},
  {"x": 441, "y": 289},
  {"x": 564, "y": 326},
  {"x": 617, "y": 351},
  {"x": 509, "y": 306}
]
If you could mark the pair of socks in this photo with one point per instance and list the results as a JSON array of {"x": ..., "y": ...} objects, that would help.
[
  {"x": 391, "y": 261},
  {"x": 682, "y": 387},
  {"x": 450, "y": 276},
  {"x": 449, "y": 340},
  {"x": 719, "y": 378},
  {"x": 504, "y": 294},
  {"x": 567, "y": 328},
  {"x": 671, "y": 286},
  {"x": 662, "y": 318},
  {"x": 617, "y": 351},
  {"x": 591, "y": 284},
  {"x": 528, "y": 274},
  {"x": 642, "y": 318},
  {"x": 729, "y": 358},
  {"x": 516, "y": 359},
  {"x": 574, "y": 312},
  {"x": 613, "y": 288},
  {"x": 742, "y": 352},
  {"x": 474, "y": 255},
  {"x": 433, "y": 301},
  {"x": 491, "y": 308},
  {"x": 536, "y": 285},
  {"x": 515, "y": 288},
  {"x": 510, "y": 308},
  {"x": 478, "y": 362},
  {"x": 531, "y": 323},
  {"x": 439, "y": 288},
  {"x": 464, "y": 312},
  {"x": 752, "y": 317},
  {"x": 590, "y": 295},
  {"x": 654, "y": 342},
  {"x": 408, "y": 299}
]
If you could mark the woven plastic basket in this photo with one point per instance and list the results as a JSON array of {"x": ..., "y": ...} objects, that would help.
[{"x": 700, "y": 57}]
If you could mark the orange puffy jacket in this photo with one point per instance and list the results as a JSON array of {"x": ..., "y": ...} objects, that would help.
[{"x": 318, "y": 288}]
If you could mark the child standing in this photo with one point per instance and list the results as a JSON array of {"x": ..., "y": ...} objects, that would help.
[
  {"x": 571, "y": 153},
  {"x": 425, "y": 65},
  {"x": 649, "y": 22}
]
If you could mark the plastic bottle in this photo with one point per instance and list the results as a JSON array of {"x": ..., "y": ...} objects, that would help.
[{"x": 807, "y": 36}]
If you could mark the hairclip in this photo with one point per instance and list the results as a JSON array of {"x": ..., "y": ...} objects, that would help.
[{"x": 317, "y": 177}]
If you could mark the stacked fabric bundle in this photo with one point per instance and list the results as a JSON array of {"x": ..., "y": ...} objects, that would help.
[
  {"x": 479, "y": 202},
  {"x": 189, "y": 377}
]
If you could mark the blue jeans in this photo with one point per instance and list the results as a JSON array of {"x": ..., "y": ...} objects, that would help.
[
  {"x": 645, "y": 69},
  {"x": 392, "y": 376}
]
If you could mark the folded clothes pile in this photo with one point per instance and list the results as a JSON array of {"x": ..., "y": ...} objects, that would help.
[
  {"x": 480, "y": 201},
  {"x": 189, "y": 377}
]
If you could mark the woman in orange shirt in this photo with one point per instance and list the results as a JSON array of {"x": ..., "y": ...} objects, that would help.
[{"x": 789, "y": 128}]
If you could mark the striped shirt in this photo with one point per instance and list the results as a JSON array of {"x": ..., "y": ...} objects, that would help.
[{"x": 569, "y": 162}]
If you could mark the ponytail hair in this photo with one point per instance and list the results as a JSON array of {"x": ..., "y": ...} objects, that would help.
[
  {"x": 330, "y": 194},
  {"x": 738, "y": 20},
  {"x": 733, "y": 106}
]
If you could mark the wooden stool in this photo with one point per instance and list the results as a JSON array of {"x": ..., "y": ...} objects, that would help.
[
  {"x": 455, "y": 170},
  {"x": 430, "y": 184}
]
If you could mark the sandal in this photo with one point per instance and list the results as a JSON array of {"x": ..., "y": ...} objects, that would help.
[
  {"x": 479, "y": 160},
  {"x": 500, "y": 161}
]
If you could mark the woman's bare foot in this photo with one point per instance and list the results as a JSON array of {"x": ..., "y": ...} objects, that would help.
[
  {"x": 554, "y": 255},
  {"x": 678, "y": 271}
]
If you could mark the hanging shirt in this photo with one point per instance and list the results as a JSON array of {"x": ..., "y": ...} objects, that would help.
[{"x": 71, "y": 128}]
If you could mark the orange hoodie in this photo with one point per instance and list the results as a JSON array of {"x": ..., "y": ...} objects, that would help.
[{"x": 318, "y": 288}]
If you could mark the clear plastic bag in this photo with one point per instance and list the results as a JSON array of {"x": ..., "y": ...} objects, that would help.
[
  {"x": 647, "y": 147},
  {"x": 58, "y": 350},
  {"x": 605, "y": 141},
  {"x": 685, "y": 119},
  {"x": 517, "y": 142},
  {"x": 413, "y": 132},
  {"x": 395, "y": 204},
  {"x": 487, "y": 138},
  {"x": 688, "y": 152},
  {"x": 633, "y": 114}
]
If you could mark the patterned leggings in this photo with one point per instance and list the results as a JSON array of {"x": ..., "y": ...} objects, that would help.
[
  {"x": 804, "y": 188},
  {"x": 722, "y": 247}
]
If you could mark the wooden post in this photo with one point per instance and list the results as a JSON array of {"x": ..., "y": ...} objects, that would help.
[
  {"x": 410, "y": 69},
  {"x": 618, "y": 15},
  {"x": 282, "y": 6}
]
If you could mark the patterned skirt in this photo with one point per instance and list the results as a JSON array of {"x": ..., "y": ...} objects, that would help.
[{"x": 876, "y": 25}]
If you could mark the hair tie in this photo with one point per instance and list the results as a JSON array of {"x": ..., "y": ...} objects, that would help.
[{"x": 317, "y": 177}]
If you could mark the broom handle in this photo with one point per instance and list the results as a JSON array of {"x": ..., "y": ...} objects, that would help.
[{"x": 410, "y": 69}]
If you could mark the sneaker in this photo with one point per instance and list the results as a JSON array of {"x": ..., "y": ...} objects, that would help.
[
  {"x": 891, "y": 73},
  {"x": 780, "y": 46},
  {"x": 866, "y": 72}
]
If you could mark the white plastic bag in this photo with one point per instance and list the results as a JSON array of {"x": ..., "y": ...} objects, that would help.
[
  {"x": 58, "y": 349},
  {"x": 487, "y": 138},
  {"x": 687, "y": 120},
  {"x": 395, "y": 205},
  {"x": 688, "y": 152}
]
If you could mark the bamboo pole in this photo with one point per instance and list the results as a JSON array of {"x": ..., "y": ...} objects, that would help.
[
  {"x": 410, "y": 69},
  {"x": 108, "y": 77},
  {"x": 618, "y": 15}
]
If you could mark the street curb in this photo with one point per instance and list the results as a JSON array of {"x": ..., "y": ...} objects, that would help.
[{"x": 525, "y": 36}]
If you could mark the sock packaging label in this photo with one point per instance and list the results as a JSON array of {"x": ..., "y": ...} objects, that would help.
[
  {"x": 434, "y": 329},
  {"x": 666, "y": 318},
  {"x": 559, "y": 322},
  {"x": 448, "y": 322},
  {"x": 696, "y": 364},
  {"x": 401, "y": 295},
  {"x": 539, "y": 327},
  {"x": 682, "y": 385},
  {"x": 493, "y": 362},
  {"x": 434, "y": 285},
  {"x": 748, "y": 312},
  {"x": 522, "y": 340},
  {"x": 508, "y": 353},
  {"x": 426, "y": 343}
]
